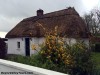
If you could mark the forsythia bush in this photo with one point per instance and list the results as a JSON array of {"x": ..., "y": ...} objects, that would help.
[
  {"x": 54, "y": 50},
  {"x": 56, "y": 54}
]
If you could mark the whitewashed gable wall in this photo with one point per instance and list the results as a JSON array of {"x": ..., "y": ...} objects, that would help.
[{"x": 12, "y": 46}]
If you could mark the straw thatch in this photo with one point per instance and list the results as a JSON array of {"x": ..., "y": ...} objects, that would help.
[{"x": 68, "y": 21}]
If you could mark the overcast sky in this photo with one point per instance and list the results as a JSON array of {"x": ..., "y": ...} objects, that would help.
[{"x": 13, "y": 11}]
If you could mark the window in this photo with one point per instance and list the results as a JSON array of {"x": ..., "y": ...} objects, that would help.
[{"x": 18, "y": 44}]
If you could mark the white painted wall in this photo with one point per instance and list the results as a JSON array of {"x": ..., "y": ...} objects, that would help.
[
  {"x": 73, "y": 41},
  {"x": 37, "y": 42},
  {"x": 12, "y": 44},
  {"x": 9, "y": 66}
]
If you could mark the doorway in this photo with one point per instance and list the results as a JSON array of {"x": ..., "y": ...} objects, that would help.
[{"x": 27, "y": 46}]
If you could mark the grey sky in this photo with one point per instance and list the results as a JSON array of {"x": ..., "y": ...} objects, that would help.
[{"x": 13, "y": 11}]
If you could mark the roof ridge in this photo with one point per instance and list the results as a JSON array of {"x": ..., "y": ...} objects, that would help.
[{"x": 46, "y": 15}]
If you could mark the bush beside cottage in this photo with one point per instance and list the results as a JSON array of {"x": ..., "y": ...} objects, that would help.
[{"x": 3, "y": 50}]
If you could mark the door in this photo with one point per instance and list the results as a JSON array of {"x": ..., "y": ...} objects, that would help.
[{"x": 27, "y": 46}]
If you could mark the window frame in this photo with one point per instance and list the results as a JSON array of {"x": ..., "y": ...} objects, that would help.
[{"x": 18, "y": 45}]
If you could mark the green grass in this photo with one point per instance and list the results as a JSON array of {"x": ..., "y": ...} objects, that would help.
[{"x": 96, "y": 60}]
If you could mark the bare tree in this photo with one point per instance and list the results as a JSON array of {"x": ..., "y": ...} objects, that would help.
[{"x": 92, "y": 21}]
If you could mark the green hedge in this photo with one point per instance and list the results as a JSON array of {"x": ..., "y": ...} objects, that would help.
[{"x": 3, "y": 50}]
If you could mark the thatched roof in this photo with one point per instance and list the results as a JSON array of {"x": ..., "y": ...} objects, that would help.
[{"x": 68, "y": 21}]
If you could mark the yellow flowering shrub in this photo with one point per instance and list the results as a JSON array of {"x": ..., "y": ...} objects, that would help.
[
  {"x": 33, "y": 47},
  {"x": 54, "y": 49},
  {"x": 56, "y": 54}
]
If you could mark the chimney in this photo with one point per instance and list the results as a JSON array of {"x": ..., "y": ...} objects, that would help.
[{"x": 39, "y": 12}]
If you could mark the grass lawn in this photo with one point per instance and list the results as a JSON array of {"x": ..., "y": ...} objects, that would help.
[{"x": 96, "y": 59}]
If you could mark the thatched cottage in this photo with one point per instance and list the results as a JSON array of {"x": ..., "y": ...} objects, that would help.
[{"x": 28, "y": 32}]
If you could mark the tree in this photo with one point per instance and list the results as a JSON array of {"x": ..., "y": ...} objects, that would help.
[{"x": 92, "y": 21}]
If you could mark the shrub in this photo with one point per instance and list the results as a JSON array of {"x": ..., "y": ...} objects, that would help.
[
  {"x": 3, "y": 50},
  {"x": 56, "y": 54},
  {"x": 78, "y": 53},
  {"x": 19, "y": 58},
  {"x": 92, "y": 46},
  {"x": 82, "y": 58},
  {"x": 97, "y": 47}
]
